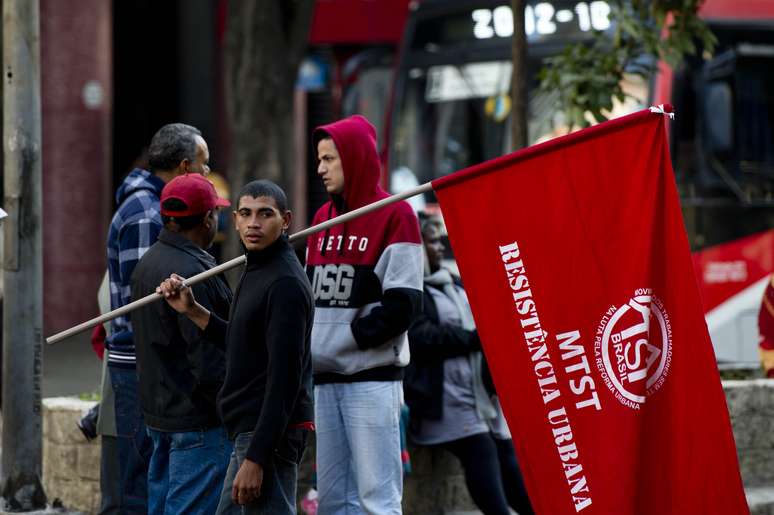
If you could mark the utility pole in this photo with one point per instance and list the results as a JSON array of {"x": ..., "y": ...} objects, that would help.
[{"x": 23, "y": 262}]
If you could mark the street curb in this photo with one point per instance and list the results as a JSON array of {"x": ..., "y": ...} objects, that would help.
[{"x": 760, "y": 499}]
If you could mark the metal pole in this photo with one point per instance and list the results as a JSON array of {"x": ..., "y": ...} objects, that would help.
[
  {"x": 424, "y": 188},
  {"x": 23, "y": 263}
]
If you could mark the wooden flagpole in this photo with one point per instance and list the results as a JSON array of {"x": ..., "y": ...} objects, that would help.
[{"x": 228, "y": 265}]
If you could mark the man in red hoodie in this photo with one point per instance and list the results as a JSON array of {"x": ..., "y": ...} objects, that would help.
[{"x": 366, "y": 279}]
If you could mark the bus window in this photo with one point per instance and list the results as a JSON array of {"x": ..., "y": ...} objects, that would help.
[
  {"x": 452, "y": 117},
  {"x": 452, "y": 90}
]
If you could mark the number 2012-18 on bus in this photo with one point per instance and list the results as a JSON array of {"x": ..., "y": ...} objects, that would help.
[{"x": 542, "y": 19}]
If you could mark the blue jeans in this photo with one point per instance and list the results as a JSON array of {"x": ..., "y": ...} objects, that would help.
[
  {"x": 278, "y": 491},
  {"x": 358, "y": 448},
  {"x": 134, "y": 446},
  {"x": 186, "y": 471}
]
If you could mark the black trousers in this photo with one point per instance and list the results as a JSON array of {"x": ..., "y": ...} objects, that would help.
[{"x": 491, "y": 474}]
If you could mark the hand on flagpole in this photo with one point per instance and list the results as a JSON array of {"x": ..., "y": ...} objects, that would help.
[{"x": 181, "y": 298}]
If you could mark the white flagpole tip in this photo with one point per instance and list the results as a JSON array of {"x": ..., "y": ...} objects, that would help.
[{"x": 664, "y": 109}]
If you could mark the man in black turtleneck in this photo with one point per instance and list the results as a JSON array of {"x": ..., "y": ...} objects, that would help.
[{"x": 265, "y": 402}]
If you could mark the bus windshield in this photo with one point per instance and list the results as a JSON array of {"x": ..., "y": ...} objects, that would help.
[
  {"x": 439, "y": 130},
  {"x": 452, "y": 90},
  {"x": 451, "y": 117}
]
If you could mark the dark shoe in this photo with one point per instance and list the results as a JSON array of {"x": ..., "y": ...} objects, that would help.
[{"x": 88, "y": 424}]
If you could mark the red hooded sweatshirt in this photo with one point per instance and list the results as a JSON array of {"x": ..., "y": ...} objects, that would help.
[{"x": 366, "y": 274}]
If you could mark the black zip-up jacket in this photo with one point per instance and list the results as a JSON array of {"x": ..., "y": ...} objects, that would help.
[
  {"x": 180, "y": 371},
  {"x": 269, "y": 368}
]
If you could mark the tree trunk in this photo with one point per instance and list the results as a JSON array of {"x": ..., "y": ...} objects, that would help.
[
  {"x": 265, "y": 43},
  {"x": 518, "y": 78}
]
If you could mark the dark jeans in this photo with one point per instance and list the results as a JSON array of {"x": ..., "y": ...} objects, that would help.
[
  {"x": 491, "y": 474},
  {"x": 109, "y": 477},
  {"x": 134, "y": 445},
  {"x": 278, "y": 492}
]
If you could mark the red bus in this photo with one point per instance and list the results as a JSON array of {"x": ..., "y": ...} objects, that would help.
[{"x": 450, "y": 110}]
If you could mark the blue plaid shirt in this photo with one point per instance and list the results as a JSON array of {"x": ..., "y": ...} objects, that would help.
[{"x": 134, "y": 228}]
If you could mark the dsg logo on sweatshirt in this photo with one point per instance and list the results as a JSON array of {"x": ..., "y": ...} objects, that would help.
[{"x": 333, "y": 283}]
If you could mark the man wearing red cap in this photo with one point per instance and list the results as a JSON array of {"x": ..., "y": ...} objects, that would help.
[{"x": 180, "y": 370}]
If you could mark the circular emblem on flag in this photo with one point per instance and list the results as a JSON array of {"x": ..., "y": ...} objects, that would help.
[{"x": 633, "y": 348}]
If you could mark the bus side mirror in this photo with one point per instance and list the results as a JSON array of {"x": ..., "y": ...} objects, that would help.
[{"x": 718, "y": 112}]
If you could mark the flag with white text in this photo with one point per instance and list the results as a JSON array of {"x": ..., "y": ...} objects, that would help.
[{"x": 577, "y": 266}]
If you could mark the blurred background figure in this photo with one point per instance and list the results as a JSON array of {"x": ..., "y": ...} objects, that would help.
[
  {"x": 224, "y": 215},
  {"x": 445, "y": 388},
  {"x": 101, "y": 419},
  {"x": 766, "y": 328}
]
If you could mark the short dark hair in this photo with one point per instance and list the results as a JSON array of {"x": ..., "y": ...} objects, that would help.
[
  {"x": 428, "y": 221},
  {"x": 184, "y": 222},
  {"x": 264, "y": 188},
  {"x": 171, "y": 144},
  {"x": 320, "y": 134}
]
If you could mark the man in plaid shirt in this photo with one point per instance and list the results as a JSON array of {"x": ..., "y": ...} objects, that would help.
[{"x": 175, "y": 149}]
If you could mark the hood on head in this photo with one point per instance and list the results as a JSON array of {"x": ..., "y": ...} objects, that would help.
[{"x": 355, "y": 140}]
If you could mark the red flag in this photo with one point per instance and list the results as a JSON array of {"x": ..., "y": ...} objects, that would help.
[{"x": 577, "y": 267}]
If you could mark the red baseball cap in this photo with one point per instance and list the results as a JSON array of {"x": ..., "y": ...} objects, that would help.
[{"x": 195, "y": 191}]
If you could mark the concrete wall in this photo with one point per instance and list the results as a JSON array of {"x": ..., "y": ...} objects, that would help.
[
  {"x": 751, "y": 405},
  {"x": 70, "y": 463},
  {"x": 436, "y": 485}
]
